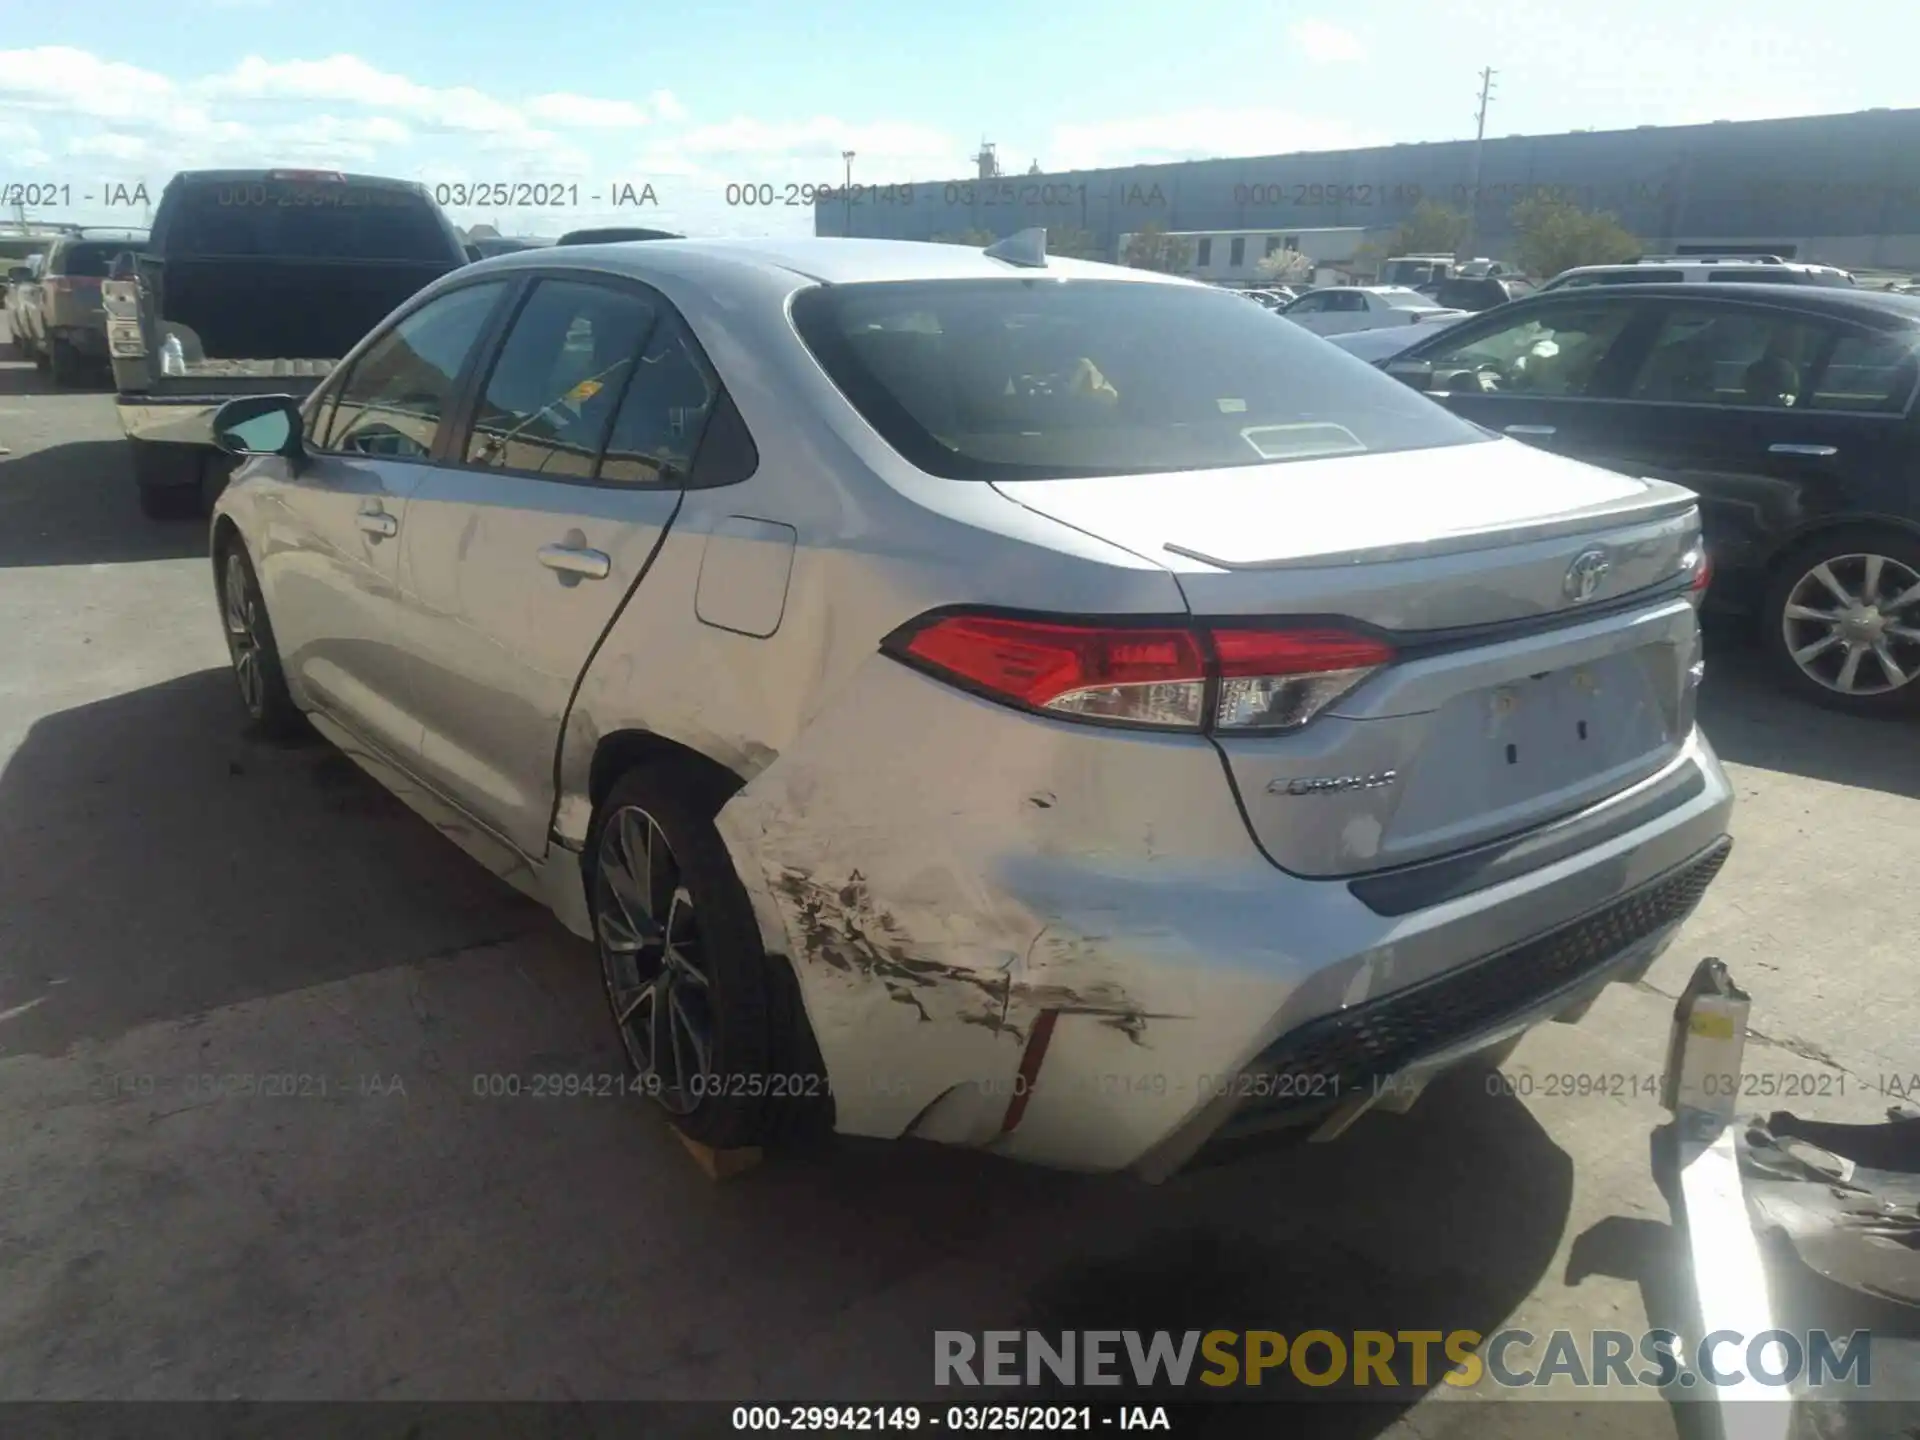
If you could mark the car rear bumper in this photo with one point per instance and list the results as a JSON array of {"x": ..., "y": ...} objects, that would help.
[{"x": 1063, "y": 947}]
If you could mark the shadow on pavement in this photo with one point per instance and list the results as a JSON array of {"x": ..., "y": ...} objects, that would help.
[
  {"x": 160, "y": 867},
  {"x": 75, "y": 505},
  {"x": 1752, "y": 721},
  {"x": 160, "y": 864},
  {"x": 20, "y": 377}
]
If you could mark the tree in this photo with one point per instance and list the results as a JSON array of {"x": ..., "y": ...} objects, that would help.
[
  {"x": 1285, "y": 266},
  {"x": 1553, "y": 235},
  {"x": 1432, "y": 229},
  {"x": 972, "y": 239},
  {"x": 1075, "y": 244},
  {"x": 1152, "y": 248}
]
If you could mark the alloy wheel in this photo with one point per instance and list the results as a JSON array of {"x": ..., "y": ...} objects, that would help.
[
  {"x": 242, "y": 615},
  {"x": 1852, "y": 624},
  {"x": 653, "y": 961}
]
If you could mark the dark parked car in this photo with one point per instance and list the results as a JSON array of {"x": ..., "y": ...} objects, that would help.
[
  {"x": 1788, "y": 408},
  {"x": 613, "y": 235},
  {"x": 1480, "y": 292}
]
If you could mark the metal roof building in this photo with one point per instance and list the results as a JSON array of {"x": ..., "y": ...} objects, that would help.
[{"x": 1843, "y": 189}]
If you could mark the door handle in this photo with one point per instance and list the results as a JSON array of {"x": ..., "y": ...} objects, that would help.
[
  {"x": 576, "y": 560},
  {"x": 1529, "y": 430},
  {"x": 378, "y": 522},
  {"x": 1819, "y": 452}
]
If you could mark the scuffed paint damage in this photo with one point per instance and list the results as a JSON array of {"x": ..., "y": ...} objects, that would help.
[{"x": 839, "y": 924}]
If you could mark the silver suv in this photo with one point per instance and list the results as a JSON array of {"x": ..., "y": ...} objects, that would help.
[
  {"x": 1022, "y": 703},
  {"x": 1677, "y": 269}
]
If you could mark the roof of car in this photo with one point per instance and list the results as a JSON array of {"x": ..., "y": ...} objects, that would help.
[
  {"x": 1862, "y": 303},
  {"x": 830, "y": 260}
]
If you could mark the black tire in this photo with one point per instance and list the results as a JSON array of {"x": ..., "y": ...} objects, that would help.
[
  {"x": 168, "y": 479},
  {"x": 1861, "y": 634},
  {"x": 251, "y": 648},
  {"x": 760, "y": 1082},
  {"x": 63, "y": 362}
]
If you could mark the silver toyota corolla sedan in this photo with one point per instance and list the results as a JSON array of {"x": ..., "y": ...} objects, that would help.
[{"x": 1013, "y": 702}]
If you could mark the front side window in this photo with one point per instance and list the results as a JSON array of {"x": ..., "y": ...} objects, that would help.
[
  {"x": 1875, "y": 373},
  {"x": 392, "y": 402},
  {"x": 1309, "y": 305},
  {"x": 1038, "y": 379},
  {"x": 559, "y": 376},
  {"x": 1554, "y": 350},
  {"x": 1726, "y": 355}
]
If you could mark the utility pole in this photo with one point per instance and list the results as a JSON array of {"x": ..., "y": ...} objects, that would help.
[
  {"x": 847, "y": 194},
  {"x": 1479, "y": 147}
]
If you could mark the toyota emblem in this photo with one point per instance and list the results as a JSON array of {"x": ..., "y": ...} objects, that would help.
[{"x": 1584, "y": 575}]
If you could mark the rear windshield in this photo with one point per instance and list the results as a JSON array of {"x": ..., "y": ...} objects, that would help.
[
  {"x": 307, "y": 220},
  {"x": 1043, "y": 379},
  {"x": 94, "y": 258}
]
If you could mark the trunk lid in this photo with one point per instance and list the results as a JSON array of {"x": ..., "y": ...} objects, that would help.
[{"x": 1529, "y": 684}]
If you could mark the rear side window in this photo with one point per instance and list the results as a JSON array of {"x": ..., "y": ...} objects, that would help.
[
  {"x": 1041, "y": 378},
  {"x": 1875, "y": 373},
  {"x": 1757, "y": 275},
  {"x": 664, "y": 412},
  {"x": 312, "y": 220},
  {"x": 553, "y": 390},
  {"x": 391, "y": 403},
  {"x": 1725, "y": 355}
]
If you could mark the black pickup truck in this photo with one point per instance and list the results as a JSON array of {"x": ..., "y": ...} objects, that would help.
[{"x": 254, "y": 282}]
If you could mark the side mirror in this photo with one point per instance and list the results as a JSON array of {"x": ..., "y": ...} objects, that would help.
[
  {"x": 1415, "y": 373},
  {"x": 259, "y": 425},
  {"x": 19, "y": 275}
]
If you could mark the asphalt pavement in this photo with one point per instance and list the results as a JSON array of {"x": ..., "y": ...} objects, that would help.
[{"x": 182, "y": 909}]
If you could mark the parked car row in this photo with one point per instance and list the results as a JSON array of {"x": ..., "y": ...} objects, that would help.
[{"x": 54, "y": 313}]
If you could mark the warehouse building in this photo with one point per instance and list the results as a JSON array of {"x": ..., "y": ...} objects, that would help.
[{"x": 1840, "y": 189}]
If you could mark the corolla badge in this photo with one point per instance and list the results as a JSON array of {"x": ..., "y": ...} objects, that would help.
[
  {"x": 1333, "y": 784},
  {"x": 1584, "y": 575}
]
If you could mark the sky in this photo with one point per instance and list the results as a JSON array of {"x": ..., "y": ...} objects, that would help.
[{"x": 605, "y": 101}]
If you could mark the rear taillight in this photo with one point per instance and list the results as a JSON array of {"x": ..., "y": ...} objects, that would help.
[
  {"x": 1701, "y": 565},
  {"x": 1170, "y": 677}
]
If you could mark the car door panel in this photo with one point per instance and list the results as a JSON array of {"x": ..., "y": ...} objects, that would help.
[
  {"x": 331, "y": 574},
  {"x": 523, "y": 550},
  {"x": 1539, "y": 376},
  {"x": 335, "y": 532},
  {"x": 1764, "y": 472}
]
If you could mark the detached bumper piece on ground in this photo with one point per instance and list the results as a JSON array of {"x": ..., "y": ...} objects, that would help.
[{"x": 1793, "y": 1225}]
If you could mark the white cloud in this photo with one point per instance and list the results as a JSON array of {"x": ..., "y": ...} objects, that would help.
[
  {"x": 1324, "y": 43},
  {"x": 18, "y": 132},
  {"x": 1198, "y": 135},
  {"x": 585, "y": 112},
  {"x": 64, "y": 80},
  {"x": 109, "y": 145},
  {"x": 347, "y": 79},
  {"x": 667, "y": 106}
]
